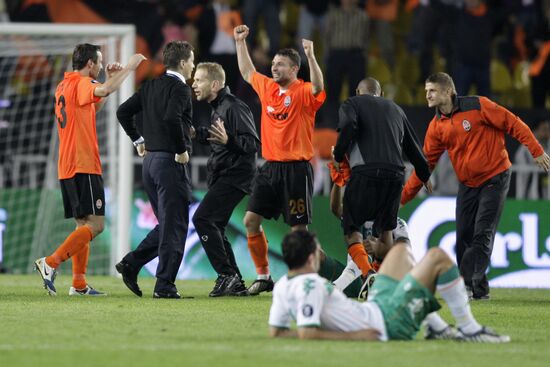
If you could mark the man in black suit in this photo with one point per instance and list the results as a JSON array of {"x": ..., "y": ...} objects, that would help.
[
  {"x": 234, "y": 141},
  {"x": 165, "y": 104}
]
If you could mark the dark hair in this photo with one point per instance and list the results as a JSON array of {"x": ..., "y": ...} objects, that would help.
[
  {"x": 174, "y": 52},
  {"x": 292, "y": 54},
  {"x": 297, "y": 246},
  {"x": 443, "y": 79},
  {"x": 82, "y": 53}
]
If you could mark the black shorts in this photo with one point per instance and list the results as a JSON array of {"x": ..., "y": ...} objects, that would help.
[
  {"x": 283, "y": 187},
  {"x": 372, "y": 195},
  {"x": 83, "y": 195}
]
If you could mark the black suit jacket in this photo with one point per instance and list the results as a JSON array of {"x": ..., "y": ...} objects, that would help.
[{"x": 165, "y": 104}]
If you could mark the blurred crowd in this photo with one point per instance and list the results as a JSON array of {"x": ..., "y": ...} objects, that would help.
[{"x": 496, "y": 48}]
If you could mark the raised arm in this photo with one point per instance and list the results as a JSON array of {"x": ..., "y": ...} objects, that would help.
[
  {"x": 315, "y": 74},
  {"x": 246, "y": 67},
  {"x": 112, "y": 83}
]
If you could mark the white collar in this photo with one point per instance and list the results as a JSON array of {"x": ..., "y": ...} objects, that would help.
[{"x": 176, "y": 74}]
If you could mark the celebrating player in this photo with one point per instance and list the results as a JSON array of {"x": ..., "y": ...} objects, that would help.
[
  {"x": 77, "y": 99},
  {"x": 284, "y": 184}
]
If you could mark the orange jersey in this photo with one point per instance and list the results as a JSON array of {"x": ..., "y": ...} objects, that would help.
[
  {"x": 473, "y": 136},
  {"x": 75, "y": 115},
  {"x": 288, "y": 119}
]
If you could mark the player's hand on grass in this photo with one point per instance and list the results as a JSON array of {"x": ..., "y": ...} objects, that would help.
[
  {"x": 366, "y": 334},
  {"x": 218, "y": 135},
  {"x": 182, "y": 158},
  {"x": 240, "y": 32},
  {"x": 543, "y": 161},
  {"x": 135, "y": 60}
]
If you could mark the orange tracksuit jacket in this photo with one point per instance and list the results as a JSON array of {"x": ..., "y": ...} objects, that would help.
[{"x": 474, "y": 137}]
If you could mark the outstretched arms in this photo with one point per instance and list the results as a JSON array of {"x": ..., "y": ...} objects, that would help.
[{"x": 117, "y": 76}]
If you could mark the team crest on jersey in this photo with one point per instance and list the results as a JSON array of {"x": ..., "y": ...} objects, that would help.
[
  {"x": 307, "y": 310},
  {"x": 466, "y": 125},
  {"x": 204, "y": 238},
  {"x": 287, "y": 101},
  {"x": 98, "y": 203}
]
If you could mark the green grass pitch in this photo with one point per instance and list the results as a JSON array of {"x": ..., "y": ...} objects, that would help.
[{"x": 124, "y": 330}]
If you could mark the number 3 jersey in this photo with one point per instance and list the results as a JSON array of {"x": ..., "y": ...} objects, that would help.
[
  {"x": 75, "y": 115},
  {"x": 312, "y": 301}
]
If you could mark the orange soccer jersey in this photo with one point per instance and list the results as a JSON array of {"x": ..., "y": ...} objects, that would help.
[
  {"x": 288, "y": 119},
  {"x": 76, "y": 125}
]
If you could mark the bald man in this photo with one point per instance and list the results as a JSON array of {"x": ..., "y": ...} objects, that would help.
[
  {"x": 374, "y": 132},
  {"x": 369, "y": 86}
]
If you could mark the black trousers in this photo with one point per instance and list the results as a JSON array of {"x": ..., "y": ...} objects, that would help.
[
  {"x": 210, "y": 220},
  {"x": 167, "y": 185},
  {"x": 478, "y": 212}
]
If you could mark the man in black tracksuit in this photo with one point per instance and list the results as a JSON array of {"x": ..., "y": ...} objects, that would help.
[
  {"x": 165, "y": 104},
  {"x": 234, "y": 142},
  {"x": 374, "y": 132}
]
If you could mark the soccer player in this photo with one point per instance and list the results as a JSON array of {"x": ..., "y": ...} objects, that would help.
[
  {"x": 77, "y": 98},
  {"x": 284, "y": 183},
  {"x": 471, "y": 129},
  {"x": 401, "y": 298},
  {"x": 234, "y": 142}
]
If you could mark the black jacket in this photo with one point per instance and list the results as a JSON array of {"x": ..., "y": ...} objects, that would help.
[
  {"x": 382, "y": 133},
  {"x": 235, "y": 162},
  {"x": 166, "y": 106}
]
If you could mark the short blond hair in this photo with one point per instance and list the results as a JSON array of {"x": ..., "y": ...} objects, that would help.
[
  {"x": 444, "y": 80},
  {"x": 214, "y": 71}
]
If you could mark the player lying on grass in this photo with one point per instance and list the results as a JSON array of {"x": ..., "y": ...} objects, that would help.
[{"x": 399, "y": 301}]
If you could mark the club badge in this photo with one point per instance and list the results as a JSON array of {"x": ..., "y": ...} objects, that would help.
[
  {"x": 307, "y": 310},
  {"x": 98, "y": 203},
  {"x": 287, "y": 101},
  {"x": 466, "y": 125}
]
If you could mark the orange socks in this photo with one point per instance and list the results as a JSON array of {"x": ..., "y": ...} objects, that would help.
[
  {"x": 72, "y": 244},
  {"x": 257, "y": 245},
  {"x": 360, "y": 257},
  {"x": 80, "y": 263}
]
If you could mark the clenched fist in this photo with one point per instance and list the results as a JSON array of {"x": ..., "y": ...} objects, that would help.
[
  {"x": 308, "y": 48},
  {"x": 240, "y": 32}
]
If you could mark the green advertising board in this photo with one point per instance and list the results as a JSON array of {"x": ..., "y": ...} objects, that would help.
[{"x": 521, "y": 253}]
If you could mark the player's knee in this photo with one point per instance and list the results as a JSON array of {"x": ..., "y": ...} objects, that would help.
[
  {"x": 252, "y": 223},
  {"x": 96, "y": 226},
  {"x": 437, "y": 255}
]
